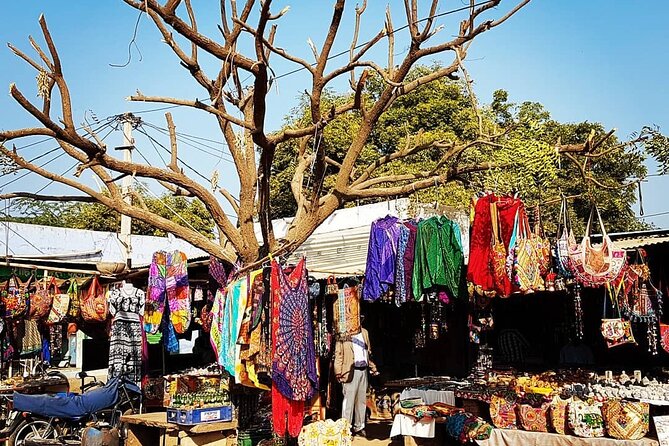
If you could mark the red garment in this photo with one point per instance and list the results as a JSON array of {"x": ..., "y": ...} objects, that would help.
[
  {"x": 286, "y": 414},
  {"x": 507, "y": 208},
  {"x": 479, "y": 270}
]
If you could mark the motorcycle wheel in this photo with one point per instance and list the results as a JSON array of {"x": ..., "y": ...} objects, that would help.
[{"x": 32, "y": 430}]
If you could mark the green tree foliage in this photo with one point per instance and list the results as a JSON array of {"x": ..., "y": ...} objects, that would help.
[
  {"x": 98, "y": 217},
  {"x": 525, "y": 153}
]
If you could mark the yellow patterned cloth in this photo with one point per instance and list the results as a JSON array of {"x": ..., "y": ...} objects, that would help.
[
  {"x": 326, "y": 433},
  {"x": 626, "y": 420}
]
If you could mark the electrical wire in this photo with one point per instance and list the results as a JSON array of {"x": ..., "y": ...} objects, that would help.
[
  {"x": 220, "y": 153},
  {"x": 140, "y": 130},
  {"x": 29, "y": 172},
  {"x": 196, "y": 172}
]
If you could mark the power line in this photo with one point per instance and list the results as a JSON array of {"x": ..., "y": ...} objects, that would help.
[
  {"x": 654, "y": 215},
  {"x": 190, "y": 141},
  {"x": 154, "y": 146},
  {"x": 196, "y": 172},
  {"x": 30, "y": 171}
]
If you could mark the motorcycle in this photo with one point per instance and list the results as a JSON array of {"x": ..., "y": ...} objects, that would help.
[
  {"x": 11, "y": 420},
  {"x": 63, "y": 419}
]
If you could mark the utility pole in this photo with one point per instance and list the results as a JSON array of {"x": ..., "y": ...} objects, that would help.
[{"x": 128, "y": 120}]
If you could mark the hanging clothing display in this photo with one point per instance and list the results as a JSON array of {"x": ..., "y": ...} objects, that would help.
[
  {"x": 232, "y": 314},
  {"x": 250, "y": 336},
  {"x": 294, "y": 359},
  {"x": 439, "y": 258},
  {"x": 216, "y": 329},
  {"x": 168, "y": 284},
  {"x": 126, "y": 305},
  {"x": 481, "y": 243},
  {"x": 405, "y": 261},
  {"x": 381, "y": 258}
]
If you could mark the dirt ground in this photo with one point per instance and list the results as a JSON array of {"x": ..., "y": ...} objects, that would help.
[{"x": 377, "y": 435}]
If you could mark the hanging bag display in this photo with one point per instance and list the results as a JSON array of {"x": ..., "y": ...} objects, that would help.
[
  {"x": 565, "y": 242},
  {"x": 543, "y": 245},
  {"x": 346, "y": 312},
  {"x": 585, "y": 419},
  {"x": 59, "y": 305},
  {"x": 527, "y": 258},
  {"x": 597, "y": 265},
  {"x": 94, "y": 303},
  {"x": 75, "y": 301},
  {"x": 497, "y": 253},
  {"x": 616, "y": 331},
  {"x": 642, "y": 299},
  {"x": 16, "y": 297},
  {"x": 664, "y": 336},
  {"x": 626, "y": 420},
  {"x": 40, "y": 304}
]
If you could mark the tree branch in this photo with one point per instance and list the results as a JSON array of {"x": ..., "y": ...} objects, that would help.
[
  {"x": 37, "y": 197},
  {"x": 139, "y": 97}
]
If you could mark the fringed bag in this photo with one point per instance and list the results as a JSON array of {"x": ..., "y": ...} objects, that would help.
[{"x": 597, "y": 265}]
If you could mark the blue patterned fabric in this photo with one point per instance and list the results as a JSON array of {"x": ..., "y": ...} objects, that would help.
[{"x": 400, "y": 273}]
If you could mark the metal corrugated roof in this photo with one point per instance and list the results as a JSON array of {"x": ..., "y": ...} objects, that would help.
[{"x": 638, "y": 242}]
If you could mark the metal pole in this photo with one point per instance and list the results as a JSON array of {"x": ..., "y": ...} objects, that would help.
[{"x": 126, "y": 221}]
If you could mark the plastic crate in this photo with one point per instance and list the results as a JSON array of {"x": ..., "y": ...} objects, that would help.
[{"x": 199, "y": 416}]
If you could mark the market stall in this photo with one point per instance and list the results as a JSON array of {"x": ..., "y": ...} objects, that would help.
[{"x": 512, "y": 264}]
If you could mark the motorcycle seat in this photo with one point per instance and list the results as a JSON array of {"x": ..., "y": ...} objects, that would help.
[{"x": 69, "y": 406}]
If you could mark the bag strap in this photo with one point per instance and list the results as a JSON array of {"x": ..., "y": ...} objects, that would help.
[
  {"x": 612, "y": 293},
  {"x": 538, "y": 222},
  {"x": 594, "y": 209}
]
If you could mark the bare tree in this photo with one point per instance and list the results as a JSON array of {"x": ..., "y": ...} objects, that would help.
[{"x": 228, "y": 99}]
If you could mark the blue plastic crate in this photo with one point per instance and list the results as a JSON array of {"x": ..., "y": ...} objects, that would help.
[
  {"x": 172, "y": 415},
  {"x": 204, "y": 415}
]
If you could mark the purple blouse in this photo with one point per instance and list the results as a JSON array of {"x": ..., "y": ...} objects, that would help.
[{"x": 381, "y": 257}]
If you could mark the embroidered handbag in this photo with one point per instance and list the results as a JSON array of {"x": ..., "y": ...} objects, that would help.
[
  {"x": 527, "y": 258},
  {"x": 533, "y": 419},
  {"x": 94, "y": 303},
  {"x": 346, "y": 312},
  {"x": 326, "y": 432},
  {"x": 16, "y": 297},
  {"x": 75, "y": 302},
  {"x": 597, "y": 265},
  {"x": 542, "y": 243},
  {"x": 664, "y": 336},
  {"x": 40, "y": 304},
  {"x": 558, "y": 414},
  {"x": 502, "y": 413},
  {"x": 59, "y": 307},
  {"x": 585, "y": 419},
  {"x": 497, "y": 254},
  {"x": 616, "y": 331},
  {"x": 626, "y": 420},
  {"x": 565, "y": 242}
]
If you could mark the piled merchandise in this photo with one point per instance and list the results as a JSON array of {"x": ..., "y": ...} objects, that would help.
[
  {"x": 197, "y": 396},
  {"x": 571, "y": 402}
]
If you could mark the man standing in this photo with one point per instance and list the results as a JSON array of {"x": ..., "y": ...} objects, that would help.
[{"x": 352, "y": 362}]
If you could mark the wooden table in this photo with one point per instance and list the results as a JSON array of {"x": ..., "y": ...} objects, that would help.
[{"x": 152, "y": 429}]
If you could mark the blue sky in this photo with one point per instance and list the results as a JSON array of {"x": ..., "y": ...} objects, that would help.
[{"x": 582, "y": 60}]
